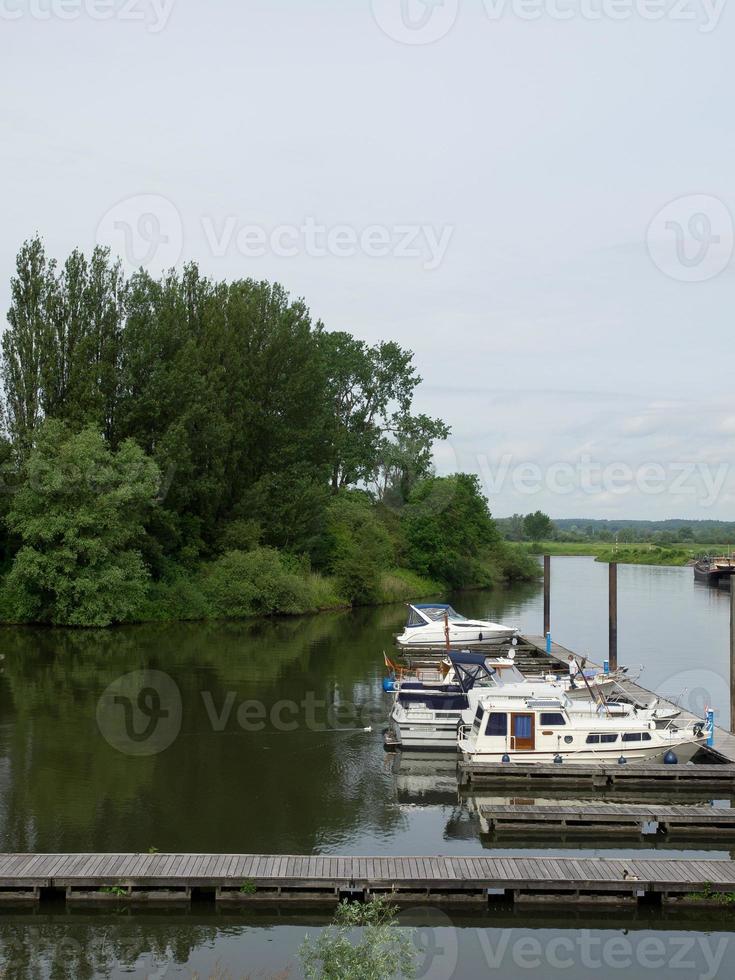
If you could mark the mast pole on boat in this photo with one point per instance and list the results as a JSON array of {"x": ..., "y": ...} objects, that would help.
[{"x": 547, "y": 595}]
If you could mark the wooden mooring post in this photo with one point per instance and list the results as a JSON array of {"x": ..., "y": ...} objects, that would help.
[
  {"x": 547, "y": 599},
  {"x": 612, "y": 655},
  {"x": 732, "y": 656}
]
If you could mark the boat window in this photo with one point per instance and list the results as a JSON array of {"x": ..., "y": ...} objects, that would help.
[
  {"x": 415, "y": 619},
  {"x": 636, "y": 737},
  {"x": 605, "y": 738},
  {"x": 552, "y": 718},
  {"x": 497, "y": 724},
  {"x": 523, "y": 726},
  {"x": 478, "y": 718}
]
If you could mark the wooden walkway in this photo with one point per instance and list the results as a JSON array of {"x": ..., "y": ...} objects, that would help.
[
  {"x": 250, "y": 878},
  {"x": 546, "y": 775},
  {"x": 596, "y": 818}
]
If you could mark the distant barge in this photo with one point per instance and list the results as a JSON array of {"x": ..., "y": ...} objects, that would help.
[{"x": 715, "y": 571}]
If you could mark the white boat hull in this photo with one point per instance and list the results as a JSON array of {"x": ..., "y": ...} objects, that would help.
[
  {"x": 418, "y": 639},
  {"x": 684, "y": 751}
]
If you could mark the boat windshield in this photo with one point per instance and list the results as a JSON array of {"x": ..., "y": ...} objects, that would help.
[
  {"x": 435, "y": 613},
  {"x": 508, "y": 674}
]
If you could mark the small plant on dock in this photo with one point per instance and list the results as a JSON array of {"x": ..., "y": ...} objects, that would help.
[
  {"x": 248, "y": 887},
  {"x": 363, "y": 943},
  {"x": 708, "y": 894},
  {"x": 114, "y": 890}
]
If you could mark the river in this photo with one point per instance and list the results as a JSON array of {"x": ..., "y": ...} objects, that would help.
[{"x": 252, "y": 739}]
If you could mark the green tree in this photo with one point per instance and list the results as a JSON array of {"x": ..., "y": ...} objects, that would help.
[
  {"x": 363, "y": 943},
  {"x": 32, "y": 291},
  {"x": 79, "y": 517},
  {"x": 406, "y": 456},
  {"x": 371, "y": 392},
  {"x": 356, "y": 547},
  {"x": 514, "y": 528},
  {"x": 450, "y": 535},
  {"x": 538, "y": 526}
]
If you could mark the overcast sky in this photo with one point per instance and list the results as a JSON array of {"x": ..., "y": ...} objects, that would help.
[{"x": 534, "y": 195}]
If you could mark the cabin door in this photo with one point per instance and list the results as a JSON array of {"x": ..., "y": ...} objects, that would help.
[{"x": 523, "y": 733}]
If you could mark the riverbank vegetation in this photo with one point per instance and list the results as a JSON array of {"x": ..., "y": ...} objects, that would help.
[
  {"x": 626, "y": 542},
  {"x": 180, "y": 448}
]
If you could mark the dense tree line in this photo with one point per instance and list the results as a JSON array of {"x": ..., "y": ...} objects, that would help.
[{"x": 190, "y": 438}]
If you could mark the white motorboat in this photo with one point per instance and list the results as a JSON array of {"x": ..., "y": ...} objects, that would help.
[
  {"x": 428, "y": 716},
  {"x": 437, "y": 624},
  {"x": 546, "y": 730}
]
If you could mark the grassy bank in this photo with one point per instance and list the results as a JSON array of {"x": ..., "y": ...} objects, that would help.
[{"x": 629, "y": 554}]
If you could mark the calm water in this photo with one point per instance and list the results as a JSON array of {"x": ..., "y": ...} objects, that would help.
[{"x": 251, "y": 738}]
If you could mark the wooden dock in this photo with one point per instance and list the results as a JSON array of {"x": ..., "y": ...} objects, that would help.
[
  {"x": 543, "y": 775},
  {"x": 606, "y": 818},
  {"x": 245, "y": 878}
]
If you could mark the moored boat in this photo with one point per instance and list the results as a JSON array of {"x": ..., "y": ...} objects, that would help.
[
  {"x": 714, "y": 570},
  {"x": 543, "y": 730},
  {"x": 426, "y": 716},
  {"x": 437, "y": 624}
]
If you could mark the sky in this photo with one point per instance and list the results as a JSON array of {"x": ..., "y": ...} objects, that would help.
[{"x": 535, "y": 196}]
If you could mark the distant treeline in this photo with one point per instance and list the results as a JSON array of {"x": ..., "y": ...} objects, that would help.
[
  {"x": 184, "y": 448},
  {"x": 538, "y": 527}
]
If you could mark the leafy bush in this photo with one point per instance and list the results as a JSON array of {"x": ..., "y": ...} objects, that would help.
[
  {"x": 449, "y": 532},
  {"x": 263, "y": 582},
  {"x": 381, "y": 951},
  {"x": 79, "y": 515},
  {"x": 357, "y": 547},
  {"x": 401, "y": 585}
]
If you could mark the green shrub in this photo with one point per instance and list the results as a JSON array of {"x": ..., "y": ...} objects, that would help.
[
  {"x": 401, "y": 585},
  {"x": 363, "y": 943},
  {"x": 357, "y": 547},
  {"x": 449, "y": 532},
  {"x": 263, "y": 582}
]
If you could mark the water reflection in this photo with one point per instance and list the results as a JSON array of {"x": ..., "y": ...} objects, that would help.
[{"x": 307, "y": 777}]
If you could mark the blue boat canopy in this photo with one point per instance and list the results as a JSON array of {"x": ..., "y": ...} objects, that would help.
[
  {"x": 470, "y": 668},
  {"x": 465, "y": 657}
]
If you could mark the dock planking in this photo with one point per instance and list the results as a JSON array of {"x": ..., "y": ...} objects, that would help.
[
  {"x": 642, "y": 777},
  {"x": 84, "y": 878},
  {"x": 617, "y": 818}
]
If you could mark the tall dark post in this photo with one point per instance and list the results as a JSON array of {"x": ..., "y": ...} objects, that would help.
[
  {"x": 613, "y": 610},
  {"x": 547, "y": 595},
  {"x": 732, "y": 656}
]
